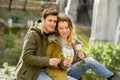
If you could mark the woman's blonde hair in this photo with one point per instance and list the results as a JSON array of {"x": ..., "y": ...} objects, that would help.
[{"x": 63, "y": 17}]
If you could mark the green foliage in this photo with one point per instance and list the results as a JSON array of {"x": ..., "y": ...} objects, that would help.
[
  {"x": 83, "y": 40},
  {"x": 9, "y": 40},
  {"x": 82, "y": 37},
  {"x": 23, "y": 17},
  {"x": 10, "y": 49},
  {"x": 107, "y": 54},
  {"x": 14, "y": 55}
]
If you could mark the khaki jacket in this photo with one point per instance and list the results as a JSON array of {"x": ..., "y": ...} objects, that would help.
[
  {"x": 33, "y": 54},
  {"x": 56, "y": 73},
  {"x": 54, "y": 51}
]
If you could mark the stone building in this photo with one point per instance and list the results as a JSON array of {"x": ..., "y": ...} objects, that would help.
[
  {"x": 106, "y": 21},
  {"x": 79, "y": 10}
]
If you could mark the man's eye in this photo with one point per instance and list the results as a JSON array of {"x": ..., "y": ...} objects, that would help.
[
  {"x": 55, "y": 21},
  {"x": 49, "y": 20}
]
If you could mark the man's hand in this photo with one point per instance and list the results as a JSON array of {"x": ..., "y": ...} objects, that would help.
[{"x": 54, "y": 62}]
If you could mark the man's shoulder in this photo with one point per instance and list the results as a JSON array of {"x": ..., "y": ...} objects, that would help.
[{"x": 36, "y": 29}]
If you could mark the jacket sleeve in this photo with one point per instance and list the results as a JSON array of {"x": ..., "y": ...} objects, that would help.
[{"x": 29, "y": 51}]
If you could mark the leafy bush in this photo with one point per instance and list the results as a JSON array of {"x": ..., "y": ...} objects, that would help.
[
  {"x": 107, "y": 54},
  {"x": 10, "y": 49}
]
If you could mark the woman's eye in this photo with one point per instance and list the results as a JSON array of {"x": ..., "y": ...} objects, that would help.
[{"x": 67, "y": 28}]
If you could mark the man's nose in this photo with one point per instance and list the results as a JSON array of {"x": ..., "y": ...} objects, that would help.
[{"x": 53, "y": 23}]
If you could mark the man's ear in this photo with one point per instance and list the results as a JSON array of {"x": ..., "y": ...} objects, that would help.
[{"x": 42, "y": 20}]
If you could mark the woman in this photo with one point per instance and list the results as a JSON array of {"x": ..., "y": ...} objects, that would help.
[{"x": 63, "y": 47}]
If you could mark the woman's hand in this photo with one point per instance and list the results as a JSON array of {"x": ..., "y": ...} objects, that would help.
[{"x": 67, "y": 62}]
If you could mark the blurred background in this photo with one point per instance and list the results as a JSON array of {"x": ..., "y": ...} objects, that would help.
[{"x": 97, "y": 24}]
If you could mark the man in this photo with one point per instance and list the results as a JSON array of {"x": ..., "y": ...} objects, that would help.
[{"x": 33, "y": 61}]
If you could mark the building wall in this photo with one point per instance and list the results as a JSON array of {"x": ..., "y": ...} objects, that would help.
[{"x": 105, "y": 20}]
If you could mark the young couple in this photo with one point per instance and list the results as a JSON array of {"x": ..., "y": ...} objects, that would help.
[{"x": 49, "y": 52}]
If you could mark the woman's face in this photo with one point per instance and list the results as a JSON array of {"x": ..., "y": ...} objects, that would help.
[{"x": 63, "y": 29}]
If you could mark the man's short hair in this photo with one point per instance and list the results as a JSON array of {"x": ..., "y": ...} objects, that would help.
[{"x": 49, "y": 11}]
